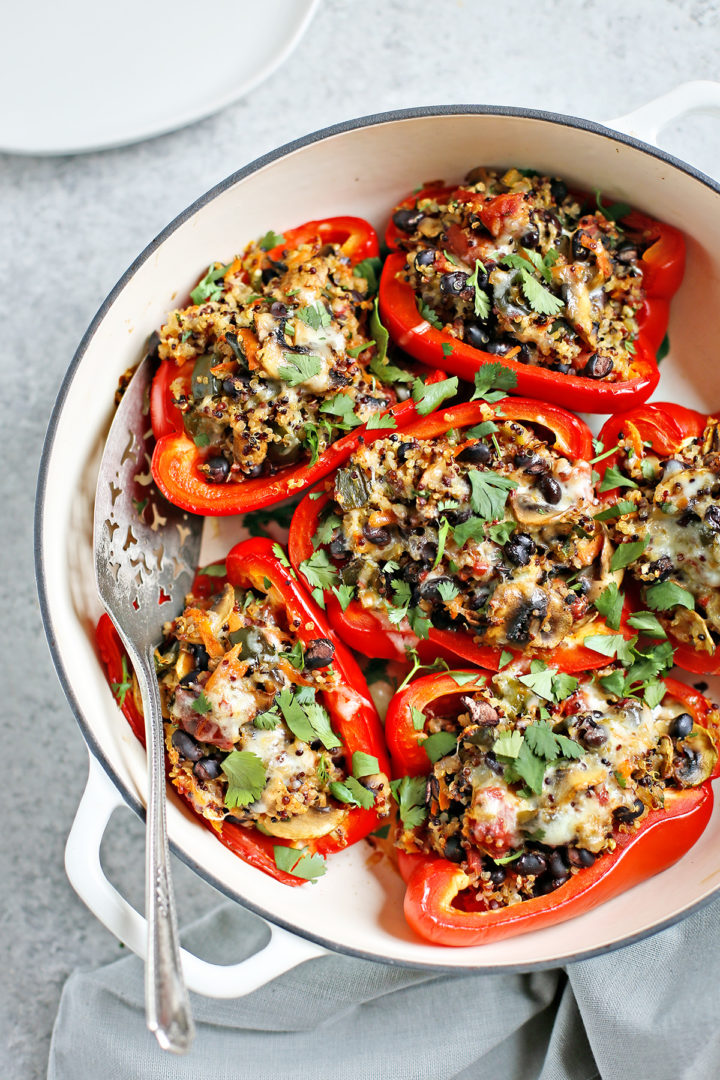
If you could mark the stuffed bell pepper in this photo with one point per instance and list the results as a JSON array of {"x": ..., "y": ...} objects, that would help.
[
  {"x": 529, "y": 797},
  {"x": 269, "y": 378},
  {"x": 572, "y": 294},
  {"x": 661, "y": 480},
  {"x": 271, "y": 733},
  {"x": 473, "y": 532}
]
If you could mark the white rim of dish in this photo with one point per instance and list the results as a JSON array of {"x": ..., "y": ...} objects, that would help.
[{"x": 128, "y": 797}]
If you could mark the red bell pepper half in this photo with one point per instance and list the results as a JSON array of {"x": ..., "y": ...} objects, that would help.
[
  {"x": 663, "y": 426},
  {"x": 434, "y": 884},
  {"x": 254, "y": 564},
  {"x": 663, "y": 267},
  {"x": 176, "y": 457},
  {"x": 370, "y": 632}
]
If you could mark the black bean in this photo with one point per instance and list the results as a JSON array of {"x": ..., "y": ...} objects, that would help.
[
  {"x": 478, "y": 597},
  {"x": 319, "y": 654},
  {"x": 557, "y": 866},
  {"x": 580, "y": 252},
  {"x": 403, "y": 450},
  {"x": 562, "y": 368},
  {"x": 273, "y": 271},
  {"x": 339, "y": 546},
  {"x": 478, "y": 453},
  {"x": 532, "y": 464},
  {"x": 626, "y": 814},
  {"x": 689, "y": 517},
  {"x": 590, "y": 733},
  {"x": 580, "y": 857},
  {"x": 201, "y": 657},
  {"x": 549, "y": 489},
  {"x": 234, "y": 386},
  {"x": 456, "y": 517},
  {"x": 681, "y": 726},
  {"x": 531, "y": 237},
  {"x": 278, "y": 309},
  {"x": 216, "y": 469},
  {"x": 493, "y": 764},
  {"x": 626, "y": 252},
  {"x": 454, "y": 849},
  {"x": 558, "y": 190},
  {"x": 712, "y": 517},
  {"x": 407, "y": 220},
  {"x": 498, "y": 348},
  {"x": 186, "y": 745},
  {"x": 430, "y": 588},
  {"x": 520, "y": 549},
  {"x": 453, "y": 283},
  {"x": 530, "y": 862},
  {"x": 207, "y": 769},
  {"x": 232, "y": 819},
  {"x": 524, "y": 356},
  {"x": 376, "y": 535},
  {"x": 476, "y": 336},
  {"x": 426, "y": 257},
  {"x": 497, "y": 874},
  {"x": 597, "y": 367},
  {"x": 190, "y": 678}
]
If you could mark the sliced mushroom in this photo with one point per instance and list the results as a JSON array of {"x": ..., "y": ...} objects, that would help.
[
  {"x": 557, "y": 623},
  {"x": 526, "y": 509},
  {"x": 683, "y": 488},
  {"x": 697, "y": 759},
  {"x": 308, "y": 826},
  {"x": 666, "y": 752},
  {"x": 712, "y": 611},
  {"x": 223, "y": 605},
  {"x": 605, "y": 575},
  {"x": 691, "y": 628}
]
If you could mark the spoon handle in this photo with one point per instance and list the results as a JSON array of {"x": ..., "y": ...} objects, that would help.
[{"x": 167, "y": 1006}]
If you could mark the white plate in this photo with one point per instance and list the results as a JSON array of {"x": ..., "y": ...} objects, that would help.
[{"x": 83, "y": 75}]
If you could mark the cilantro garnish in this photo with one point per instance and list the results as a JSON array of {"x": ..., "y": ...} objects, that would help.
[
  {"x": 488, "y": 493},
  {"x": 626, "y": 553},
  {"x": 352, "y": 792},
  {"x": 666, "y": 594},
  {"x": 620, "y": 508},
  {"x": 418, "y": 718},
  {"x": 448, "y": 590},
  {"x": 201, "y": 704},
  {"x": 214, "y": 570},
  {"x": 547, "y": 682},
  {"x": 501, "y": 532},
  {"x": 428, "y": 396},
  {"x": 120, "y": 689},
  {"x": 487, "y": 427},
  {"x": 326, "y": 530},
  {"x": 270, "y": 240},
  {"x": 439, "y": 744},
  {"x": 491, "y": 383},
  {"x": 613, "y": 478},
  {"x": 647, "y": 623},
  {"x": 481, "y": 299},
  {"x": 442, "y": 537},
  {"x": 308, "y": 721},
  {"x": 364, "y": 764},
  {"x": 427, "y": 313},
  {"x": 344, "y": 594},
  {"x": 473, "y": 529},
  {"x": 319, "y": 571},
  {"x": 527, "y": 755},
  {"x": 246, "y": 777},
  {"x": 208, "y": 288},
  {"x": 202, "y": 440},
  {"x": 378, "y": 421},
  {"x": 315, "y": 315},
  {"x": 357, "y": 349},
  {"x": 505, "y": 658},
  {"x": 409, "y": 793},
  {"x": 296, "y": 655},
  {"x": 611, "y": 645},
  {"x": 342, "y": 406},
  {"x": 369, "y": 269},
  {"x": 268, "y": 719},
  {"x": 298, "y": 369},
  {"x": 297, "y": 862},
  {"x": 615, "y": 211},
  {"x": 540, "y": 299},
  {"x": 610, "y": 604}
]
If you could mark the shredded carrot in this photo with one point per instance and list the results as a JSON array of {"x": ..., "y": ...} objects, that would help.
[
  {"x": 250, "y": 343},
  {"x": 633, "y": 435},
  {"x": 229, "y": 665}
]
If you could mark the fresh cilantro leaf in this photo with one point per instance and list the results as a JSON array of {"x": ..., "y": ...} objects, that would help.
[
  {"x": 501, "y": 532},
  {"x": 442, "y": 537},
  {"x": 382, "y": 832},
  {"x": 381, "y": 420},
  {"x": 381, "y": 338},
  {"x": 626, "y": 553},
  {"x": 508, "y": 858},
  {"x": 568, "y": 747},
  {"x": 418, "y": 718},
  {"x": 357, "y": 349},
  {"x": 462, "y": 678},
  {"x": 320, "y": 722},
  {"x": 202, "y": 440},
  {"x": 539, "y": 679},
  {"x": 342, "y": 405},
  {"x": 268, "y": 719},
  {"x": 610, "y": 604},
  {"x": 364, "y": 764},
  {"x": 298, "y": 369},
  {"x": 246, "y": 777},
  {"x": 601, "y": 455},
  {"x": 214, "y": 570},
  {"x": 481, "y": 299},
  {"x": 439, "y": 745},
  {"x": 614, "y": 683},
  {"x": 323, "y": 769},
  {"x": 429, "y": 396},
  {"x": 489, "y": 492},
  {"x": 614, "y": 212},
  {"x": 487, "y": 427},
  {"x": 653, "y": 694},
  {"x": 663, "y": 349},
  {"x": 319, "y": 571},
  {"x": 296, "y": 655},
  {"x": 208, "y": 288},
  {"x": 648, "y": 469},
  {"x": 295, "y": 715},
  {"x": 326, "y": 530},
  {"x": 508, "y": 744},
  {"x": 540, "y": 737},
  {"x": 446, "y": 349},
  {"x": 563, "y": 686},
  {"x": 611, "y": 645},
  {"x": 419, "y": 624},
  {"x": 427, "y": 313},
  {"x": 389, "y": 373},
  {"x": 620, "y": 779},
  {"x": 448, "y": 590},
  {"x": 344, "y": 594},
  {"x": 505, "y": 658},
  {"x": 472, "y": 529},
  {"x": 540, "y": 299},
  {"x": 369, "y": 269},
  {"x": 647, "y": 623},
  {"x": 201, "y": 704},
  {"x": 527, "y": 767},
  {"x": 271, "y": 240},
  {"x": 491, "y": 382},
  {"x": 613, "y": 478},
  {"x": 352, "y": 792},
  {"x": 409, "y": 793},
  {"x": 620, "y": 508},
  {"x": 297, "y": 862},
  {"x": 666, "y": 594},
  {"x": 315, "y": 315},
  {"x": 120, "y": 689}
]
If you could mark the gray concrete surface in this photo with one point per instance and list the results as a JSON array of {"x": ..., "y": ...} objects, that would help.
[{"x": 68, "y": 229}]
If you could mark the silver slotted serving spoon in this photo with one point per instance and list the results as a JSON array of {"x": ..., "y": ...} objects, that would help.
[{"x": 146, "y": 554}]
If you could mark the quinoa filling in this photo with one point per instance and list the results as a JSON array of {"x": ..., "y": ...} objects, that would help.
[
  {"x": 539, "y": 784},
  {"x": 515, "y": 264},
  {"x": 249, "y": 739},
  {"x": 670, "y": 508},
  {"x": 487, "y": 530},
  {"x": 277, "y": 359}
]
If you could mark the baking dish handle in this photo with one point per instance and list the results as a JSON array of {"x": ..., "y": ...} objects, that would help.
[
  {"x": 647, "y": 122},
  {"x": 86, "y": 875}
]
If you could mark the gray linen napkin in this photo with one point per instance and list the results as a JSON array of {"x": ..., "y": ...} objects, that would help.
[{"x": 646, "y": 1012}]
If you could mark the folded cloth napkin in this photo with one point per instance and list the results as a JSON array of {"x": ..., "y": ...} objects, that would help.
[{"x": 646, "y": 1012}]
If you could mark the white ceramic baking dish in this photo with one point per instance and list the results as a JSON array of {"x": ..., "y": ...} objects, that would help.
[{"x": 361, "y": 167}]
